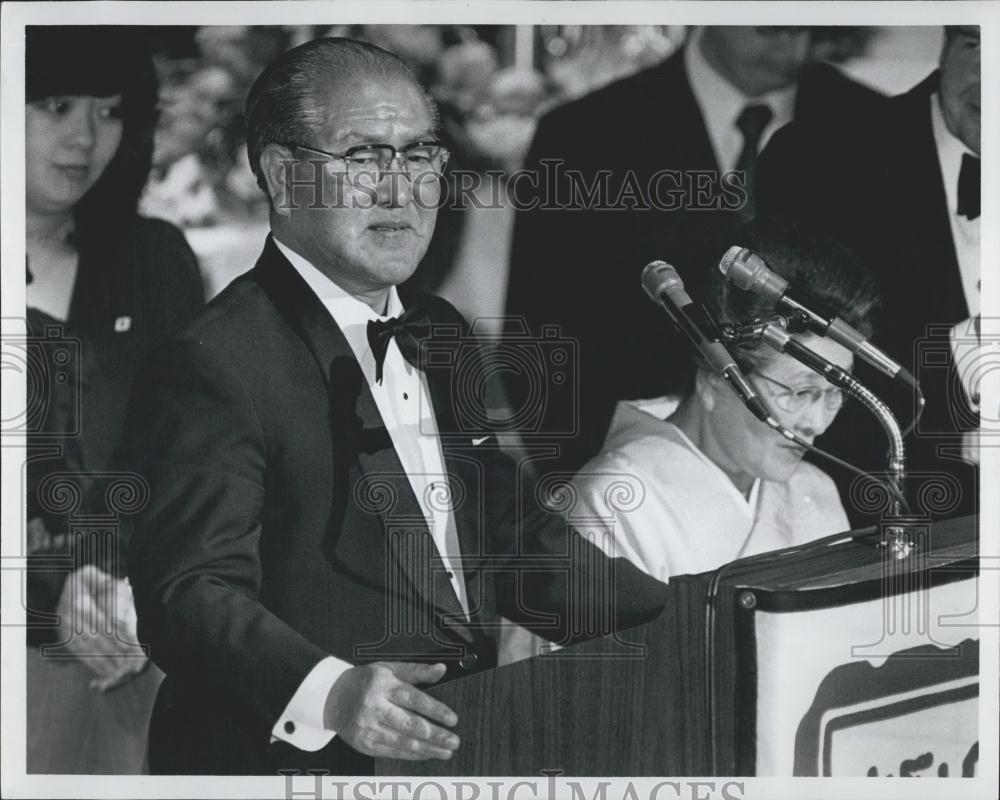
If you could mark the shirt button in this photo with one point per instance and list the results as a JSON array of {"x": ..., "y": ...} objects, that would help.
[
  {"x": 289, "y": 727},
  {"x": 406, "y": 396},
  {"x": 469, "y": 661}
]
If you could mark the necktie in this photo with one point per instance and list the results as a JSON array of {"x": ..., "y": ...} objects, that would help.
[
  {"x": 751, "y": 122},
  {"x": 409, "y": 328},
  {"x": 969, "y": 187}
]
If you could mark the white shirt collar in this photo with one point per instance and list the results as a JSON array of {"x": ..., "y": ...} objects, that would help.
[
  {"x": 350, "y": 314},
  {"x": 721, "y": 103},
  {"x": 345, "y": 308},
  {"x": 950, "y": 150}
]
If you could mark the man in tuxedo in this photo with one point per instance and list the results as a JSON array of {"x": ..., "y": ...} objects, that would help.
[
  {"x": 901, "y": 188},
  {"x": 323, "y": 536},
  {"x": 671, "y": 152}
]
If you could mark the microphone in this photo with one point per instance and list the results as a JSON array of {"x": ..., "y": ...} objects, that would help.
[
  {"x": 749, "y": 272},
  {"x": 779, "y": 339},
  {"x": 665, "y": 288}
]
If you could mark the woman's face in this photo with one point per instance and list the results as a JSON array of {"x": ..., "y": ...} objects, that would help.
[
  {"x": 746, "y": 448},
  {"x": 69, "y": 142}
]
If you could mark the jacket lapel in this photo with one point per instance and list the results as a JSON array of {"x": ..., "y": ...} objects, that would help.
[
  {"x": 357, "y": 425},
  {"x": 918, "y": 165},
  {"x": 695, "y": 145}
]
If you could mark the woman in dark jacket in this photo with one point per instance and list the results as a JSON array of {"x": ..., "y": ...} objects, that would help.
[{"x": 104, "y": 286}]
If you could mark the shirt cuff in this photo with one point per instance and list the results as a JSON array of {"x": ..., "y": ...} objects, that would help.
[{"x": 301, "y": 723}]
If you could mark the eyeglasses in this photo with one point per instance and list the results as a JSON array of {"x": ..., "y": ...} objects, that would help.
[
  {"x": 796, "y": 400},
  {"x": 374, "y": 160}
]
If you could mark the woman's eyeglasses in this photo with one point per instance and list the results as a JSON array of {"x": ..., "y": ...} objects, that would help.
[{"x": 797, "y": 399}]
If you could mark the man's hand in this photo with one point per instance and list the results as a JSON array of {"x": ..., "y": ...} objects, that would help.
[
  {"x": 97, "y": 624},
  {"x": 378, "y": 711}
]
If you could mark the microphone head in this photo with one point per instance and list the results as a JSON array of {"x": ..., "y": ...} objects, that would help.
[
  {"x": 726, "y": 264},
  {"x": 659, "y": 277},
  {"x": 750, "y": 273}
]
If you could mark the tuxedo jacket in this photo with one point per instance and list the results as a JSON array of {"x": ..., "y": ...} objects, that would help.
[
  {"x": 577, "y": 264},
  {"x": 281, "y": 527},
  {"x": 876, "y": 185}
]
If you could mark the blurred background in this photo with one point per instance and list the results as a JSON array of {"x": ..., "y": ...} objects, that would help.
[{"x": 492, "y": 83}]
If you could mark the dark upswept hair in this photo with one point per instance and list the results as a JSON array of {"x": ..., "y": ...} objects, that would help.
[
  {"x": 287, "y": 103},
  {"x": 823, "y": 271},
  {"x": 100, "y": 61}
]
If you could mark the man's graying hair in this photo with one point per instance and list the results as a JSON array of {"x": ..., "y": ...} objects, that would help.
[{"x": 286, "y": 103}]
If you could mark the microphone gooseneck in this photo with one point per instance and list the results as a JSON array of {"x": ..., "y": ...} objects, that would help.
[{"x": 779, "y": 339}]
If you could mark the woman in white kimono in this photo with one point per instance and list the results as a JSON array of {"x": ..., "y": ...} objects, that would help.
[{"x": 686, "y": 484}]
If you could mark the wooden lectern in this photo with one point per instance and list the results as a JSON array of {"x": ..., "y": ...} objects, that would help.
[{"x": 803, "y": 662}]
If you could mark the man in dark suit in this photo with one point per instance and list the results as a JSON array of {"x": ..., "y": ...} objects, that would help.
[
  {"x": 323, "y": 534},
  {"x": 671, "y": 153},
  {"x": 901, "y": 188}
]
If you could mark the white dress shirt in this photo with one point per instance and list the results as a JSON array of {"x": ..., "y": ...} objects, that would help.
[
  {"x": 964, "y": 231},
  {"x": 404, "y": 404},
  {"x": 721, "y": 104}
]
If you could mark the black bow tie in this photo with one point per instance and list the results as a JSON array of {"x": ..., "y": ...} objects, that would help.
[
  {"x": 969, "y": 178},
  {"x": 409, "y": 328}
]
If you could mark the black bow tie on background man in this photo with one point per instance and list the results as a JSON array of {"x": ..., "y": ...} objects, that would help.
[
  {"x": 409, "y": 328},
  {"x": 969, "y": 178}
]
